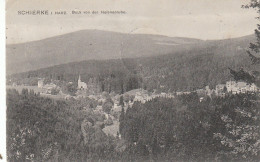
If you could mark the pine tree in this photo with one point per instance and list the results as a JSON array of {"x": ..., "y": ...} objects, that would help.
[
  {"x": 122, "y": 88},
  {"x": 253, "y": 52},
  {"x": 242, "y": 134},
  {"x": 121, "y": 101},
  {"x": 121, "y": 121}
]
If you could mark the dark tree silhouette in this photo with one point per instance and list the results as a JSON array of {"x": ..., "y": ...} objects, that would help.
[
  {"x": 121, "y": 120},
  {"x": 242, "y": 75},
  {"x": 121, "y": 101},
  {"x": 253, "y": 52}
]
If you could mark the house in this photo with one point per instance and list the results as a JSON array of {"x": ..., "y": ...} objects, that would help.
[
  {"x": 141, "y": 96},
  {"x": 182, "y": 93},
  {"x": 253, "y": 88},
  {"x": 163, "y": 94},
  {"x": 240, "y": 87},
  {"x": 186, "y": 92},
  {"x": 220, "y": 87},
  {"x": 49, "y": 87},
  {"x": 40, "y": 83},
  {"x": 179, "y": 93},
  {"x": 231, "y": 86},
  {"x": 208, "y": 91}
]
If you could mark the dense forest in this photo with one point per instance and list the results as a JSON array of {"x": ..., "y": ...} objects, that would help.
[
  {"x": 163, "y": 129},
  {"x": 41, "y": 129},
  {"x": 219, "y": 129},
  {"x": 184, "y": 71}
]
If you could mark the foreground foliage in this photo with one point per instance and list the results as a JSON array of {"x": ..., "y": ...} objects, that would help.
[
  {"x": 218, "y": 129},
  {"x": 41, "y": 129},
  {"x": 176, "y": 129}
]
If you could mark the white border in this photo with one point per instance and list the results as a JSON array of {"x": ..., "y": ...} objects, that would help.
[{"x": 2, "y": 83}]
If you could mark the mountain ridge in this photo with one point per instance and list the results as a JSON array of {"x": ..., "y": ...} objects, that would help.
[
  {"x": 103, "y": 45},
  {"x": 83, "y": 30}
]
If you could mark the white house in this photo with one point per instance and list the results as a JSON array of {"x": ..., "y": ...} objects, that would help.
[
  {"x": 231, "y": 86},
  {"x": 40, "y": 83},
  {"x": 253, "y": 88},
  {"x": 49, "y": 87},
  {"x": 240, "y": 87}
]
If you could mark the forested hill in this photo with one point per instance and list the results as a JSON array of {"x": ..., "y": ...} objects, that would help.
[
  {"x": 87, "y": 45},
  {"x": 99, "y": 45},
  {"x": 187, "y": 70}
]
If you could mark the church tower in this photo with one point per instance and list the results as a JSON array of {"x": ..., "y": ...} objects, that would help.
[
  {"x": 81, "y": 85},
  {"x": 79, "y": 80}
]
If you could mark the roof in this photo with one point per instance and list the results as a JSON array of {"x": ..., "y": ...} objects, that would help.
[
  {"x": 221, "y": 85},
  {"x": 231, "y": 82},
  {"x": 241, "y": 84}
]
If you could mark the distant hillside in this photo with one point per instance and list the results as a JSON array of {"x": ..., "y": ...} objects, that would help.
[
  {"x": 184, "y": 70},
  {"x": 116, "y": 60},
  {"x": 87, "y": 45}
]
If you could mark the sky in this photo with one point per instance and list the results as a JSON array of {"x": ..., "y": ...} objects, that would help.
[{"x": 203, "y": 19}]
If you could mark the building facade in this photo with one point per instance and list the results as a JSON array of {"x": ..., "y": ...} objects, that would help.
[{"x": 240, "y": 87}]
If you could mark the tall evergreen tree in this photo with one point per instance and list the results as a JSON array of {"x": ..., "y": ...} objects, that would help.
[
  {"x": 253, "y": 52},
  {"x": 241, "y": 136},
  {"x": 121, "y": 121},
  {"x": 121, "y": 101}
]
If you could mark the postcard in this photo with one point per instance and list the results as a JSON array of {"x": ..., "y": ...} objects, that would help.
[{"x": 129, "y": 80}]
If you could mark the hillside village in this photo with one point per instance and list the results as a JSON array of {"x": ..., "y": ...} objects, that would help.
[
  {"x": 108, "y": 107},
  {"x": 91, "y": 91},
  {"x": 110, "y": 104}
]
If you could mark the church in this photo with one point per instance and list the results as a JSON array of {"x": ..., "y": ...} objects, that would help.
[{"x": 82, "y": 85}]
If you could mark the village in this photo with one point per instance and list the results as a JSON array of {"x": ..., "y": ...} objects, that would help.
[
  {"x": 115, "y": 102},
  {"x": 83, "y": 89},
  {"x": 89, "y": 90}
]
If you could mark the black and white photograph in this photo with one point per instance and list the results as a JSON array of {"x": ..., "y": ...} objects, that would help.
[{"x": 132, "y": 81}]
